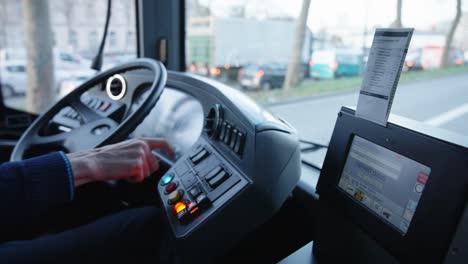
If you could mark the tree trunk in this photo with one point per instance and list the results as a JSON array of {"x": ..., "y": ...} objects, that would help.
[
  {"x": 294, "y": 70},
  {"x": 397, "y": 23},
  {"x": 451, "y": 33},
  {"x": 40, "y": 93},
  {"x": 3, "y": 22}
]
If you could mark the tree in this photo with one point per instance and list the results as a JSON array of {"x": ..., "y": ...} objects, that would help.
[
  {"x": 40, "y": 67},
  {"x": 3, "y": 24},
  {"x": 450, "y": 34},
  {"x": 293, "y": 72},
  {"x": 397, "y": 23}
]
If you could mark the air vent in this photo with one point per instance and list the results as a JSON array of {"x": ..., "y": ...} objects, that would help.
[{"x": 213, "y": 121}]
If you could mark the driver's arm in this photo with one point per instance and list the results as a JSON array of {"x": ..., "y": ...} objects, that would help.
[{"x": 29, "y": 187}]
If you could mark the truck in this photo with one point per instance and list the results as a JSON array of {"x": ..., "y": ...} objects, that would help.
[{"x": 219, "y": 46}]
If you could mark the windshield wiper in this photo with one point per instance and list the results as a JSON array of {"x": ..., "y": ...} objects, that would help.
[
  {"x": 312, "y": 146},
  {"x": 305, "y": 162}
]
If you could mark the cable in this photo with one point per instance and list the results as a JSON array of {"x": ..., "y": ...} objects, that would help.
[{"x": 97, "y": 61}]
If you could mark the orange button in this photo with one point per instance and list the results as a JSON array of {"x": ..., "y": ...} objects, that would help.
[{"x": 179, "y": 207}]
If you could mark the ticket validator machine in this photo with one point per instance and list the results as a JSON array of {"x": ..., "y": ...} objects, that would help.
[{"x": 394, "y": 194}]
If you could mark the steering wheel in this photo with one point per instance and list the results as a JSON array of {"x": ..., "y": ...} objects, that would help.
[{"x": 115, "y": 87}]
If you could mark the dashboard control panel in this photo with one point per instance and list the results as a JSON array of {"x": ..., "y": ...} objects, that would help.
[
  {"x": 195, "y": 183},
  {"x": 237, "y": 175}
]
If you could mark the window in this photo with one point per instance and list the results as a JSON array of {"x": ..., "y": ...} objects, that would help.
[
  {"x": 76, "y": 28},
  {"x": 112, "y": 39},
  {"x": 93, "y": 41},
  {"x": 16, "y": 68},
  {"x": 73, "y": 39},
  {"x": 247, "y": 43},
  {"x": 131, "y": 40}
]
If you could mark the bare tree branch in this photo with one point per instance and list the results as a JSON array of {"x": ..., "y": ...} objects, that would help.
[{"x": 449, "y": 39}]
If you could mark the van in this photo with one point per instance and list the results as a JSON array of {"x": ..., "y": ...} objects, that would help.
[{"x": 330, "y": 64}]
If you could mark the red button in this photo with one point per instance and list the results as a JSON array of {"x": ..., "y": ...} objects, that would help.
[
  {"x": 171, "y": 187},
  {"x": 104, "y": 107},
  {"x": 422, "y": 178}
]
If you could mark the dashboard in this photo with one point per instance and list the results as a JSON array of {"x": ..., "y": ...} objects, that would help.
[
  {"x": 236, "y": 164},
  {"x": 234, "y": 159}
]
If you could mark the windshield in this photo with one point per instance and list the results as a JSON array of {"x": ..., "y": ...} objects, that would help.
[
  {"x": 76, "y": 29},
  {"x": 326, "y": 44}
]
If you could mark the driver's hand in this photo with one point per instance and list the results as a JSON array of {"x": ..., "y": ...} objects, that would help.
[{"x": 130, "y": 160}]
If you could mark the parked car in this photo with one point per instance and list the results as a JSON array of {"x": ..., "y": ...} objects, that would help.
[
  {"x": 458, "y": 57},
  {"x": 62, "y": 59},
  {"x": 13, "y": 78},
  {"x": 111, "y": 60},
  {"x": 69, "y": 84},
  {"x": 329, "y": 64},
  {"x": 265, "y": 76},
  {"x": 413, "y": 61}
]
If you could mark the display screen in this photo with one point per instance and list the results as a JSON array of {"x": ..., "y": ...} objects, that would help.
[{"x": 385, "y": 182}]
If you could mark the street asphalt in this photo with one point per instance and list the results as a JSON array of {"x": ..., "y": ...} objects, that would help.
[{"x": 440, "y": 102}]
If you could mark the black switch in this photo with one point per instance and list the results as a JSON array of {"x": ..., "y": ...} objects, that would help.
[
  {"x": 196, "y": 152},
  {"x": 222, "y": 134},
  {"x": 200, "y": 156},
  {"x": 213, "y": 173},
  {"x": 218, "y": 179},
  {"x": 183, "y": 216},
  {"x": 227, "y": 136},
  {"x": 232, "y": 143},
  {"x": 240, "y": 142},
  {"x": 202, "y": 200},
  {"x": 195, "y": 191}
]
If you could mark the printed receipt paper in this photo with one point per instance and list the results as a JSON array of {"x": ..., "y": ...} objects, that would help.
[{"x": 386, "y": 59}]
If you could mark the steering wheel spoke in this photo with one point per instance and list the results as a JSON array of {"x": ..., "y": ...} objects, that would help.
[
  {"x": 53, "y": 140},
  {"x": 87, "y": 114}
]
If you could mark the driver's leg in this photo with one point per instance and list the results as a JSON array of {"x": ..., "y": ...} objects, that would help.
[{"x": 129, "y": 236}]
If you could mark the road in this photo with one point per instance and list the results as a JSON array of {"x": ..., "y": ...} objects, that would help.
[{"x": 441, "y": 102}]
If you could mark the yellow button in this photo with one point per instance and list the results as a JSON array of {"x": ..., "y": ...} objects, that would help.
[{"x": 174, "y": 197}]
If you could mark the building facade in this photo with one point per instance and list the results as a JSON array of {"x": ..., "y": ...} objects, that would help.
[{"x": 77, "y": 25}]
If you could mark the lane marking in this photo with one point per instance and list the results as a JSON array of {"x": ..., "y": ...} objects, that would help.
[{"x": 448, "y": 116}]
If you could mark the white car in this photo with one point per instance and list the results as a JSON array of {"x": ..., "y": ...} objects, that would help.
[
  {"x": 14, "y": 77},
  {"x": 62, "y": 59}
]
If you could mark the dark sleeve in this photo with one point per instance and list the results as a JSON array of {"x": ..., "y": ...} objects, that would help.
[{"x": 30, "y": 187}]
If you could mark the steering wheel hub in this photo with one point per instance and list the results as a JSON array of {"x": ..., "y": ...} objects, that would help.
[{"x": 116, "y": 87}]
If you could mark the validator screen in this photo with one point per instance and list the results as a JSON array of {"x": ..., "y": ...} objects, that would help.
[{"x": 385, "y": 182}]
